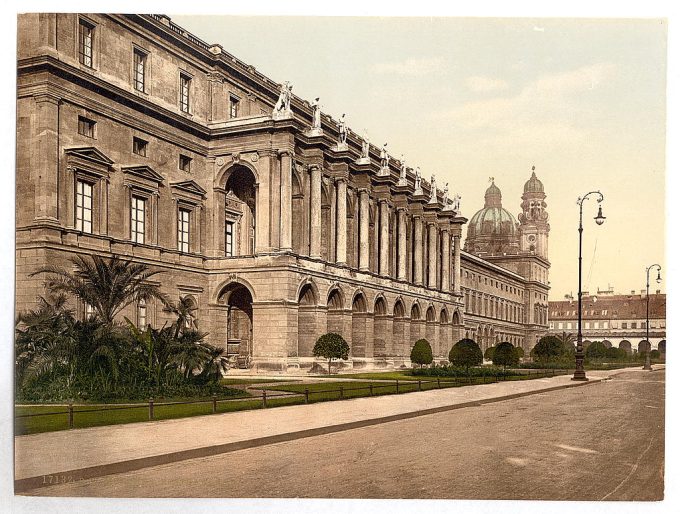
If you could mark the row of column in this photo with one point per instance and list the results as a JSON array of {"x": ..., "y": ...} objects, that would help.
[{"x": 384, "y": 233}]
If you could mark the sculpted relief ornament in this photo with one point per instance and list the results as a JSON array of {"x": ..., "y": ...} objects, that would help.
[{"x": 282, "y": 107}]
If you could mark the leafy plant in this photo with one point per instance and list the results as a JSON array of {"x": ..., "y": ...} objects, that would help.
[
  {"x": 421, "y": 353},
  {"x": 466, "y": 353},
  {"x": 331, "y": 346}
]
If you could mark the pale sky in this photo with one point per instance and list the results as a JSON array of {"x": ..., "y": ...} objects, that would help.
[{"x": 470, "y": 98}]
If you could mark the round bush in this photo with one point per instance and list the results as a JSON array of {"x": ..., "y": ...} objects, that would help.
[
  {"x": 596, "y": 350},
  {"x": 331, "y": 346},
  {"x": 505, "y": 355},
  {"x": 421, "y": 353},
  {"x": 466, "y": 353},
  {"x": 488, "y": 353},
  {"x": 549, "y": 348}
]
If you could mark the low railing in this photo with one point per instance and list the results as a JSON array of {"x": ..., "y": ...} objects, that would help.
[{"x": 268, "y": 398}]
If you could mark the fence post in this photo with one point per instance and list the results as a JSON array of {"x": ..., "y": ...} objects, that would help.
[
  {"x": 342, "y": 393},
  {"x": 439, "y": 384},
  {"x": 370, "y": 389},
  {"x": 264, "y": 399},
  {"x": 420, "y": 385},
  {"x": 397, "y": 385},
  {"x": 70, "y": 414},
  {"x": 214, "y": 399},
  {"x": 150, "y": 408},
  {"x": 306, "y": 395}
]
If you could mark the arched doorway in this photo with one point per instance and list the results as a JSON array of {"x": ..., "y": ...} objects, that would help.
[
  {"x": 380, "y": 329},
  {"x": 662, "y": 347},
  {"x": 431, "y": 329},
  {"x": 299, "y": 234},
  {"x": 399, "y": 329},
  {"x": 607, "y": 344},
  {"x": 414, "y": 334},
  {"x": 644, "y": 346},
  {"x": 308, "y": 332},
  {"x": 625, "y": 345},
  {"x": 444, "y": 334},
  {"x": 239, "y": 304},
  {"x": 334, "y": 316},
  {"x": 239, "y": 212},
  {"x": 361, "y": 346}
]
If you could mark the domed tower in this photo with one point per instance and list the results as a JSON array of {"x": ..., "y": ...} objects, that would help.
[
  {"x": 492, "y": 231},
  {"x": 533, "y": 220}
]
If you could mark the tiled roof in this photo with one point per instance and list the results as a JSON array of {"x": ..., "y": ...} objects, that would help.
[{"x": 611, "y": 307}]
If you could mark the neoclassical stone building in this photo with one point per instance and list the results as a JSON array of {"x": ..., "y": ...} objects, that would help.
[{"x": 136, "y": 138}]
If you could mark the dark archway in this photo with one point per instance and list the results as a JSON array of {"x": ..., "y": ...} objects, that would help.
[
  {"x": 625, "y": 345},
  {"x": 361, "y": 347},
  {"x": 662, "y": 346},
  {"x": 307, "y": 321},
  {"x": 399, "y": 329},
  {"x": 644, "y": 346},
  {"x": 239, "y": 304},
  {"x": 335, "y": 312},
  {"x": 240, "y": 212},
  {"x": 380, "y": 328},
  {"x": 299, "y": 215}
]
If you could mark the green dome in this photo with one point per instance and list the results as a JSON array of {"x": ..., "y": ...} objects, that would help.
[
  {"x": 533, "y": 185},
  {"x": 493, "y": 220}
]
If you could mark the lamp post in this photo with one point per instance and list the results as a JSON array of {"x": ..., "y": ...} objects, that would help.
[
  {"x": 648, "y": 358},
  {"x": 580, "y": 373}
]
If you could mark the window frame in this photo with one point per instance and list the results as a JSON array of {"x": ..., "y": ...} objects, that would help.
[
  {"x": 90, "y": 124},
  {"x": 183, "y": 228},
  {"x": 142, "y": 314},
  {"x": 234, "y": 106},
  {"x": 187, "y": 160},
  {"x": 82, "y": 47},
  {"x": 185, "y": 92},
  {"x": 135, "y": 233},
  {"x": 139, "y": 57},
  {"x": 80, "y": 220},
  {"x": 143, "y": 148}
]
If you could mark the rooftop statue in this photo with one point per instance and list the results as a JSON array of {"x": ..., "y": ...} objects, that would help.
[
  {"x": 316, "y": 114},
  {"x": 283, "y": 103},
  {"x": 384, "y": 157},
  {"x": 456, "y": 203},
  {"x": 342, "y": 129},
  {"x": 433, "y": 189},
  {"x": 419, "y": 189},
  {"x": 365, "y": 146}
]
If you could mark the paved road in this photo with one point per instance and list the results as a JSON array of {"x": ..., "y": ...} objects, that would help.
[{"x": 599, "y": 442}]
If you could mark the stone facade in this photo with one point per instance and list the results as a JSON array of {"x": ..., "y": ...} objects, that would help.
[
  {"x": 135, "y": 138},
  {"x": 618, "y": 320}
]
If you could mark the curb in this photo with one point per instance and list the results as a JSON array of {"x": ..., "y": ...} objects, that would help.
[{"x": 26, "y": 484}]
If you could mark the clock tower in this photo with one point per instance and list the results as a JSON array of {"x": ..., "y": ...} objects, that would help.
[{"x": 533, "y": 220}]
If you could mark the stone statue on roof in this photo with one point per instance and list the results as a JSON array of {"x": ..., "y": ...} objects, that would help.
[
  {"x": 384, "y": 157},
  {"x": 316, "y": 114},
  {"x": 456, "y": 204},
  {"x": 433, "y": 189},
  {"x": 419, "y": 189},
  {"x": 342, "y": 131},
  {"x": 445, "y": 194},
  {"x": 283, "y": 103},
  {"x": 365, "y": 146}
]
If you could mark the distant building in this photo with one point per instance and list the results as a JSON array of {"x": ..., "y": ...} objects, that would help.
[{"x": 615, "y": 319}]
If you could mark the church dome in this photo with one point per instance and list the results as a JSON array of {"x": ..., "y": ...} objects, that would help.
[
  {"x": 493, "y": 219},
  {"x": 533, "y": 185}
]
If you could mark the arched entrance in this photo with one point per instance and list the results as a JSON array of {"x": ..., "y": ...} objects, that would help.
[
  {"x": 415, "y": 327},
  {"x": 662, "y": 347},
  {"x": 239, "y": 304},
  {"x": 380, "y": 329},
  {"x": 444, "y": 334},
  {"x": 239, "y": 212},
  {"x": 307, "y": 321},
  {"x": 334, "y": 321},
  {"x": 431, "y": 329},
  {"x": 625, "y": 345},
  {"x": 361, "y": 346},
  {"x": 644, "y": 346},
  {"x": 399, "y": 329},
  {"x": 607, "y": 344}
]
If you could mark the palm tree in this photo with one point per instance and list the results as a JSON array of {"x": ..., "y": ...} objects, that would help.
[
  {"x": 107, "y": 285},
  {"x": 184, "y": 311}
]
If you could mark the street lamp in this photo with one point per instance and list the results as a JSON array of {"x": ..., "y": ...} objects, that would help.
[
  {"x": 580, "y": 373},
  {"x": 648, "y": 358}
]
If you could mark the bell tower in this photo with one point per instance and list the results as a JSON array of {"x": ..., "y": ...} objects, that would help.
[{"x": 533, "y": 220}]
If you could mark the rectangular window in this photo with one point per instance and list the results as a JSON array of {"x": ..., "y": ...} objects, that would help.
[
  {"x": 183, "y": 230},
  {"x": 88, "y": 311},
  {"x": 596, "y": 324},
  {"x": 84, "y": 206},
  {"x": 139, "y": 146},
  {"x": 184, "y": 83},
  {"x": 141, "y": 315},
  {"x": 85, "y": 39},
  {"x": 587, "y": 324},
  {"x": 643, "y": 324},
  {"x": 85, "y": 127},
  {"x": 229, "y": 238},
  {"x": 137, "y": 219},
  {"x": 184, "y": 163},
  {"x": 559, "y": 326},
  {"x": 233, "y": 107},
  {"x": 139, "y": 76},
  {"x": 633, "y": 324},
  {"x": 624, "y": 324}
]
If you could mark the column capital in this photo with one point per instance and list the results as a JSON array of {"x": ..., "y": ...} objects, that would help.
[
  {"x": 285, "y": 152},
  {"x": 47, "y": 97}
]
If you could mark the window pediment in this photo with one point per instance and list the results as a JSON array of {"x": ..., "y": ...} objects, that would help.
[
  {"x": 189, "y": 187},
  {"x": 88, "y": 159},
  {"x": 146, "y": 173}
]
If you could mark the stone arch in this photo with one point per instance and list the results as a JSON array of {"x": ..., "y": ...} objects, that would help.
[
  {"x": 416, "y": 323},
  {"x": 191, "y": 321},
  {"x": 335, "y": 304},
  {"x": 239, "y": 302},
  {"x": 226, "y": 286},
  {"x": 240, "y": 210},
  {"x": 625, "y": 345},
  {"x": 643, "y": 346},
  {"x": 381, "y": 329},
  {"x": 399, "y": 325},
  {"x": 431, "y": 329},
  {"x": 226, "y": 171},
  {"x": 445, "y": 330},
  {"x": 662, "y": 347},
  {"x": 607, "y": 343},
  {"x": 444, "y": 316},
  {"x": 456, "y": 318},
  {"x": 308, "y": 317},
  {"x": 362, "y": 343}
]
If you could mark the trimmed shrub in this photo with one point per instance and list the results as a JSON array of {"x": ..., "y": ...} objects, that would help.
[
  {"x": 331, "y": 346},
  {"x": 488, "y": 353},
  {"x": 519, "y": 351},
  {"x": 421, "y": 353},
  {"x": 549, "y": 348},
  {"x": 466, "y": 353},
  {"x": 655, "y": 354},
  {"x": 614, "y": 353},
  {"x": 596, "y": 350},
  {"x": 505, "y": 355}
]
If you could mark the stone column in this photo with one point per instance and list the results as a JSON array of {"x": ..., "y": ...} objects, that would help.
[
  {"x": 45, "y": 157},
  {"x": 418, "y": 250},
  {"x": 341, "y": 223},
  {"x": 446, "y": 260},
  {"x": 384, "y": 262},
  {"x": 432, "y": 251},
  {"x": 456, "y": 264},
  {"x": 363, "y": 230},
  {"x": 401, "y": 245},
  {"x": 286, "y": 202},
  {"x": 315, "y": 213}
]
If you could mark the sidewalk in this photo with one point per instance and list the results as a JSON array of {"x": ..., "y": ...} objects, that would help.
[{"x": 56, "y": 457}]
